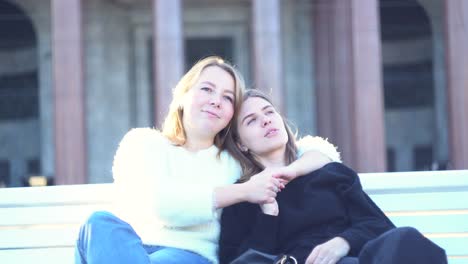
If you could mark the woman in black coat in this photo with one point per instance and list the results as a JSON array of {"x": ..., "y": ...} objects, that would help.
[{"x": 320, "y": 217}]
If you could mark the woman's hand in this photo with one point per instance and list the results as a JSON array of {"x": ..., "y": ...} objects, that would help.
[
  {"x": 329, "y": 252},
  {"x": 270, "y": 208},
  {"x": 285, "y": 173},
  {"x": 262, "y": 188}
]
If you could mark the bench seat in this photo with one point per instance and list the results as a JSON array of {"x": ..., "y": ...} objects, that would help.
[{"x": 40, "y": 224}]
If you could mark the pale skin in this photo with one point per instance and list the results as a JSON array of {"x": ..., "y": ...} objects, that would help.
[
  {"x": 208, "y": 108},
  {"x": 262, "y": 131}
]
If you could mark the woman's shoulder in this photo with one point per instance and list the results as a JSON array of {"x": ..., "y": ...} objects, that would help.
[
  {"x": 144, "y": 135},
  {"x": 333, "y": 172},
  {"x": 144, "y": 132},
  {"x": 142, "y": 141},
  {"x": 338, "y": 167}
]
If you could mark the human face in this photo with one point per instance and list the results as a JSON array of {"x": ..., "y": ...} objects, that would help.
[
  {"x": 261, "y": 128},
  {"x": 209, "y": 104}
]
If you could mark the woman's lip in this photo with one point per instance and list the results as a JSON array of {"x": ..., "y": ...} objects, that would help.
[
  {"x": 271, "y": 132},
  {"x": 211, "y": 113}
]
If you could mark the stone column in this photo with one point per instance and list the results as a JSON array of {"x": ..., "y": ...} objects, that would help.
[
  {"x": 349, "y": 80},
  {"x": 267, "y": 49},
  {"x": 168, "y": 53},
  {"x": 456, "y": 21},
  {"x": 69, "y": 92}
]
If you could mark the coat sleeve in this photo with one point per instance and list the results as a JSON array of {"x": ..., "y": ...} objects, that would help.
[
  {"x": 244, "y": 226},
  {"x": 367, "y": 221}
]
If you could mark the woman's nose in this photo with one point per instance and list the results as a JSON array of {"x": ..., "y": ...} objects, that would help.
[
  {"x": 215, "y": 101},
  {"x": 266, "y": 121}
]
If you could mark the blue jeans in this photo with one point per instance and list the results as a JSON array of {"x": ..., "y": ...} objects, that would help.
[{"x": 105, "y": 238}]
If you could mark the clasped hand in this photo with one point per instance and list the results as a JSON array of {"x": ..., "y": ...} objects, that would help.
[{"x": 264, "y": 186}]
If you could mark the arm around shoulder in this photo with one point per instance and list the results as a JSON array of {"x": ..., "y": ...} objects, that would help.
[
  {"x": 313, "y": 153},
  {"x": 318, "y": 144}
]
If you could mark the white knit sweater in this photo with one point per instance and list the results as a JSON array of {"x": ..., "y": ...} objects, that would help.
[{"x": 166, "y": 192}]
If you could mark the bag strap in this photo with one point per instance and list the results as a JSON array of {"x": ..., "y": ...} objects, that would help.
[{"x": 285, "y": 259}]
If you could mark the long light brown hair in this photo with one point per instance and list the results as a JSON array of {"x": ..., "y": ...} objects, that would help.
[
  {"x": 250, "y": 165},
  {"x": 173, "y": 126}
]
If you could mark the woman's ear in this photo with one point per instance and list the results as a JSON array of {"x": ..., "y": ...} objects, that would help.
[{"x": 242, "y": 147}]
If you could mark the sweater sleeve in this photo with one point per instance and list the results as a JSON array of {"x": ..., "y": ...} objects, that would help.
[
  {"x": 367, "y": 220},
  {"x": 243, "y": 227},
  {"x": 147, "y": 190},
  {"x": 309, "y": 143}
]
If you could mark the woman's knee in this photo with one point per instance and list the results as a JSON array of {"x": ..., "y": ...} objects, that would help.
[
  {"x": 98, "y": 222},
  {"x": 100, "y": 217},
  {"x": 407, "y": 232}
]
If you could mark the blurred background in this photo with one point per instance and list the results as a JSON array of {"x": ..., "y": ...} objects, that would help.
[{"x": 384, "y": 80}]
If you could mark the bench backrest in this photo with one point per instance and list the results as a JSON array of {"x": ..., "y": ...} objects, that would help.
[
  {"x": 40, "y": 224},
  {"x": 435, "y": 202}
]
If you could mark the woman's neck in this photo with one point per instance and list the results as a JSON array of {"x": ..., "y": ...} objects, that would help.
[
  {"x": 194, "y": 144},
  {"x": 272, "y": 159}
]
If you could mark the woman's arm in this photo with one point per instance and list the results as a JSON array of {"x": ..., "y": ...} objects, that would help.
[
  {"x": 313, "y": 153},
  {"x": 259, "y": 189},
  {"x": 310, "y": 161},
  {"x": 319, "y": 144}
]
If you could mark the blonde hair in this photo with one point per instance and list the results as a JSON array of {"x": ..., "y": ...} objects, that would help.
[{"x": 173, "y": 126}]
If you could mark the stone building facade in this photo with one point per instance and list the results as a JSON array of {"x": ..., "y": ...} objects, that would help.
[{"x": 385, "y": 80}]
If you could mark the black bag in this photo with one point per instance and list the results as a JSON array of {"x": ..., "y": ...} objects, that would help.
[{"x": 252, "y": 256}]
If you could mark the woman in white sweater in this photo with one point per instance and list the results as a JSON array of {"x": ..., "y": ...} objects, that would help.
[{"x": 171, "y": 184}]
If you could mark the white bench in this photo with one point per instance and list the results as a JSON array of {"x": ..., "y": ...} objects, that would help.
[{"x": 40, "y": 224}]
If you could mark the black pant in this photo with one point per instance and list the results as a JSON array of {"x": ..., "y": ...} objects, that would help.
[{"x": 403, "y": 245}]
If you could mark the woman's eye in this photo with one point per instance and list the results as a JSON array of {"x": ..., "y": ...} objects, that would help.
[
  {"x": 269, "y": 112},
  {"x": 229, "y": 98},
  {"x": 207, "y": 89},
  {"x": 251, "y": 121}
]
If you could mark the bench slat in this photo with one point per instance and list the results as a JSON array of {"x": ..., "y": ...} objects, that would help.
[
  {"x": 434, "y": 223},
  {"x": 38, "y": 256},
  {"x": 39, "y": 237},
  {"x": 458, "y": 260},
  {"x": 70, "y": 214},
  {"x": 53, "y": 195},
  {"x": 411, "y": 180},
  {"x": 453, "y": 245},
  {"x": 421, "y": 201}
]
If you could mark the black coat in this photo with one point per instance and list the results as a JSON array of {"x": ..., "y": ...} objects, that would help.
[{"x": 313, "y": 209}]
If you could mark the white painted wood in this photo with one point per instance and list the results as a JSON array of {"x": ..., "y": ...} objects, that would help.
[
  {"x": 434, "y": 223},
  {"x": 61, "y": 236},
  {"x": 422, "y": 201},
  {"x": 51, "y": 195},
  {"x": 458, "y": 260},
  {"x": 457, "y": 246},
  {"x": 40, "y": 225},
  {"x": 38, "y": 256},
  {"x": 40, "y": 215},
  {"x": 414, "y": 180}
]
